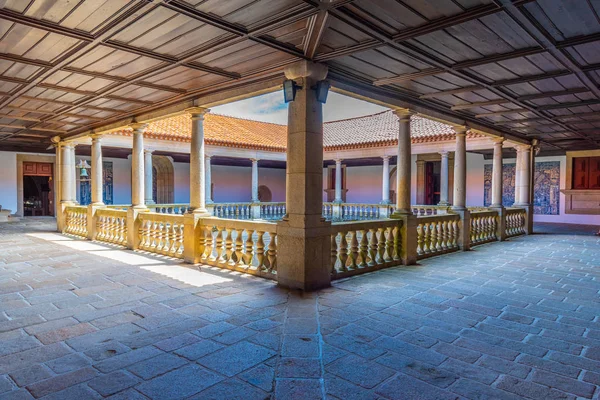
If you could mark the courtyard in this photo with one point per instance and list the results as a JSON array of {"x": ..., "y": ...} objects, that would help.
[{"x": 508, "y": 320}]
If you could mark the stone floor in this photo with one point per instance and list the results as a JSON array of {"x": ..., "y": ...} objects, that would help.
[{"x": 505, "y": 321}]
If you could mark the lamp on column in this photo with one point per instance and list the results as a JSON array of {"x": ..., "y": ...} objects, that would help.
[
  {"x": 289, "y": 90},
  {"x": 322, "y": 89}
]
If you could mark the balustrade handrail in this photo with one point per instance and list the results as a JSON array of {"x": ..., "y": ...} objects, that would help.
[
  {"x": 111, "y": 212},
  {"x": 439, "y": 217},
  {"x": 260, "y": 225},
  {"x": 160, "y": 217}
]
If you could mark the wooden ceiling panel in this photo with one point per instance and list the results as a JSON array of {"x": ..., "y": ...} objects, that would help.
[
  {"x": 51, "y": 47},
  {"x": 393, "y": 17},
  {"x": 90, "y": 16},
  {"x": 340, "y": 35},
  {"x": 562, "y": 22},
  {"x": 246, "y": 13}
]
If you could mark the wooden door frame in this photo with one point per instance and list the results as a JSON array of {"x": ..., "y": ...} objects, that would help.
[{"x": 39, "y": 159}]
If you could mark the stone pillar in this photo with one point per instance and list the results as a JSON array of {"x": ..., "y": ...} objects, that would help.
[
  {"x": 524, "y": 175},
  {"x": 197, "y": 162},
  {"x": 403, "y": 186},
  {"x": 97, "y": 178},
  {"x": 460, "y": 188},
  {"x": 338, "y": 181},
  {"x": 58, "y": 184},
  {"x": 74, "y": 171},
  {"x": 518, "y": 167},
  {"x": 148, "y": 178},
  {"x": 444, "y": 179},
  {"x": 254, "y": 180},
  {"x": 192, "y": 225},
  {"x": 385, "y": 181},
  {"x": 208, "y": 179},
  {"x": 137, "y": 167},
  {"x": 497, "y": 174},
  {"x": 304, "y": 237},
  {"x": 67, "y": 170},
  {"x": 497, "y": 181},
  {"x": 532, "y": 153},
  {"x": 403, "y": 172}
]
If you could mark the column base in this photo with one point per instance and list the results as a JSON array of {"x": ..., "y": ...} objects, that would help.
[
  {"x": 140, "y": 207},
  {"x": 304, "y": 256},
  {"x": 201, "y": 212},
  {"x": 444, "y": 203}
]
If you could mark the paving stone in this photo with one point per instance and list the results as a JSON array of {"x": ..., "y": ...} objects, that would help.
[
  {"x": 299, "y": 389},
  {"x": 126, "y": 359},
  {"x": 29, "y": 375},
  {"x": 548, "y": 365},
  {"x": 361, "y": 349},
  {"x": 426, "y": 372},
  {"x": 61, "y": 382},
  {"x": 198, "y": 350},
  {"x": 236, "y": 358},
  {"x": 156, "y": 366},
  {"x": 129, "y": 394},
  {"x": 231, "y": 389},
  {"x": 476, "y": 390},
  {"x": 469, "y": 371},
  {"x": 21, "y": 394},
  {"x": 410, "y": 350},
  {"x": 106, "y": 350},
  {"x": 290, "y": 367},
  {"x": 113, "y": 383},
  {"x": 563, "y": 383},
  {"x": 405, "y": 387},
  {"x": 68, "y": 363},
  {"x": 504, "y": 366},
  {"x": 183, "y": 382},
  {"x": 342, "y": 389},
  {"x": 360, "y": 371},
  {"x": 528, "y": 389},
  {"x": 18, "y": 344},
  {"x": 261, "y": 376},
  {"x": 5, "y": 384},
  {"x": 14, "y": 362},
  {"x": 300, "y": 346}
]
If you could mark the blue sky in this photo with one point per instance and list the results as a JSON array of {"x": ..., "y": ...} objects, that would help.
[{"x": 271, "y": 108}]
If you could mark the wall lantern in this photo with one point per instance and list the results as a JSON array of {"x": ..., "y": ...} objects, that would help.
[
  {"x": 289, "y": 90},
  {"x": 83, "y": 167},
  {"x": 322, "y": 89}
]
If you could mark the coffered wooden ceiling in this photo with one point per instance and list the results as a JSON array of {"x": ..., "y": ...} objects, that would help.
[{"x": 530, "y": 68}]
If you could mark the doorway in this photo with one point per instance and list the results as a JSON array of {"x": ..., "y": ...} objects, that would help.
[
  {"x": 432, "y": 182},
  {"x": 38, "y": 194}
]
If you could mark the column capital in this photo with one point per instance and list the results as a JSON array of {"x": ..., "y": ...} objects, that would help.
[
  {"x": 444, "y": 153},
  {"x": 148, "y": 151},
  {"x": 255, "y": 160},
  {"x": 138, "y": 127},
  {"x": 56, "y": 139},
  {"x": 306, "y": 69},
  {"x": 523, "y": 147},
  {"x": 67, "y": 145},
  {"x": 461, "y": 130},
  {"x": 197, "y": 112},
  {"x": 338, "y": 161},
  {"x": 498, "y": 140},
  {"x": 95, "y": 137},
  {"x": 403, "y": 114},
  {"x": 386, "y": 157}
]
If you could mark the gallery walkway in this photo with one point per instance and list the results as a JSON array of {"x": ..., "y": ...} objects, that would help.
[{"x": 83, "y": 320}]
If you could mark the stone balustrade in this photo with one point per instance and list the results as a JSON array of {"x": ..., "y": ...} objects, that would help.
[
  {"x": 484, "y": 227},
  {"x": 437, "y": 234},
  {"x": 111, "y": 226},
  {"x": 169, "y": 208},
  {"x": 359, "y": 211},
  {"x": 421, "y": 210},
  {"x": 515, "y": 222},
  {"x": 364, "y": 246},
  {"x": 328, "y": 210},
  {"x": 76, "y": 220},
  {"x": 272, "y": 210},
  {"x": 161, "y": 233},
  {"x": 231, "y": 210},
  {"x": 244, "y": 246}
]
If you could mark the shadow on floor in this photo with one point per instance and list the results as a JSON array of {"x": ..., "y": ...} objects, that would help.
[{"x": 547, "y": 228}]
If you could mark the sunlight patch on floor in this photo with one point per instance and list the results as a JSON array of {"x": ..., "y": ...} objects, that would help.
[{"x": 186, "y": 275}]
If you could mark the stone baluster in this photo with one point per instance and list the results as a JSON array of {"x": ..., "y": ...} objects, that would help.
[
  {"x": 148, "y": 177},
  {"x": 444, "y": 179}
]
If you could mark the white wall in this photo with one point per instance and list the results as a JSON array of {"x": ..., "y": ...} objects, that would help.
[
  {"x": 364, "y": 184},
  {"x": 181, "y": 183},
  {"x": 8, "y": 180},
  {"x": 231, "y": 184},
  {"x": 274, "y": 179},
  {"x": 475, "y": 181}
]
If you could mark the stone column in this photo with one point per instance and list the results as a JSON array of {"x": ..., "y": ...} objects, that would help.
[
  {"x": 524, "y": 175},
  {"x": 385, "y": 181},
  {"x": 403, "y": 186},
  {"x": 518, "y": 167},
  {"x": 67, "y": 170},
  {"x": 74, "y": 171},
  {"x": 420, "y": 195},
  {"x": 254, "y": 180},
  {"x": 497, "y": 174},
  {"x": 338, "y": 181},
  {"x": 197, "y": 162},
  {"x": 208, "y": 179},
  {"x": 497, "y": 182},
  {"x": 97, "y": 178},
  {"x": 304, "y": 237},
  {"x": 403, "y": 172},
  {"x": 137, "y": 166},
  {"x": 444, "y": 179},
  {"x": 57, "y": 183},
  {"x": 192, "y": 222},
  {"x": 532, "y": 153},
  {"x": 148, "y": 178},
  {"x": 460, "y": 187}
]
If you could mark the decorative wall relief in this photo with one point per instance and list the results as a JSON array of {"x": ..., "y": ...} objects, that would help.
[
  {"x": 546, "y": 186},
  {"x": 85, "y": 187}
]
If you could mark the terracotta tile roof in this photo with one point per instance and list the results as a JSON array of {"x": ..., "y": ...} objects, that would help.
[{"x": 375, "y": 130}]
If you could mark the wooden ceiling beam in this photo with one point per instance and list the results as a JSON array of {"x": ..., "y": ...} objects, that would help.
[
  {"x": 31, "y": 110},
  {"x": 530, "y": 78},
  {"x": 408, "y": 77},
  {"x": 68, "y": 104},
  {"x": 32, "y": 128},
  {"x": 45, "y": 25},
  {"x": 568, "y": 105},
  {"x": 12, "y": 79},
  {"x": 500, "y": 113},
  {"x": 465, "y": 89},
  {"x": 552, "y": 94},
  {"x": 317, "y": 25},
  {"x": 30, "y": 119},
  {"x": 498, "y": 57},
  {"x": 478, "y": 104},
  {"x": 24, "y": 60}
]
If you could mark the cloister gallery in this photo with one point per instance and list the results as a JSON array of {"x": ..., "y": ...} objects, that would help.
[{"x": 153, "y": 248}]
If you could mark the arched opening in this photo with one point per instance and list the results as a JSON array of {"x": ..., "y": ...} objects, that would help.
[
  {"x": 264, "y": 194},
  {"x": 163, "y": 181}
]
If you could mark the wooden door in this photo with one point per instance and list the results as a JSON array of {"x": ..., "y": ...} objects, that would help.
[
  {"x": 594, "y": 173},
  {"x": 580, "y": 173}
]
